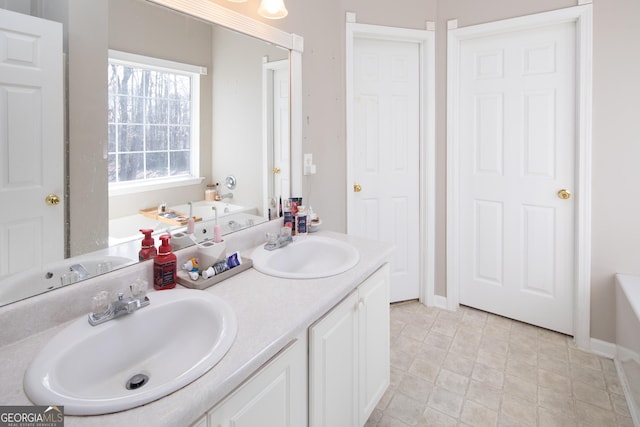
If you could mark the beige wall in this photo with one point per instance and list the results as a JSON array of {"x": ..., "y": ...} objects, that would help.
[
  {"x": 616, "y": 155},
  {"x": 616, "y": 117}
]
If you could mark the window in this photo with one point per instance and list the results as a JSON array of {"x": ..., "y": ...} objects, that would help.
[{"x": 153, "y": 120}]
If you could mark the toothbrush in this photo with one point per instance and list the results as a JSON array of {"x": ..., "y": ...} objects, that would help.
[
  {"x": 217, "y": 234},
  {"x": 191, "y": 223}
]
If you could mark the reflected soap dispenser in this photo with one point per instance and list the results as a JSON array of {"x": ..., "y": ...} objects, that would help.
[
  {"x": 148, "y": 249},
  {"x": 165, "y": 266}
]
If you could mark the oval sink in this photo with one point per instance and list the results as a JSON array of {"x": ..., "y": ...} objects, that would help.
[
  {"x": 308, "y": 257},
  {"x": 134, "y": 359}
]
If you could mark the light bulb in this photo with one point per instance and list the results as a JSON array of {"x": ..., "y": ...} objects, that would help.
[{"x": 272, "y": 9}]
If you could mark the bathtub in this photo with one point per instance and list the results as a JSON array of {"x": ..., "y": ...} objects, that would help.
[{"x": 628, "y": 340}]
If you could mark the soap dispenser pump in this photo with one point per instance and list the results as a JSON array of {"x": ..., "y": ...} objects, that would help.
[
  {"x": 165, "y": 266},
  {"x": 148, "y": 249}
]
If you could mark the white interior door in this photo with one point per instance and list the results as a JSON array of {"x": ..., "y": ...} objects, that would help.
[
  {"x": 517, "y": 150},
  {"x": 31, "y": 142},
  {"x": 277, "y": 109},
  {"x": 385, "y": 159}
]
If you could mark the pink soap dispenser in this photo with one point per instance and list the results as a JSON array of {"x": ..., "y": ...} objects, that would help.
[
  {"x": 148, "y": 249},
  {"x": 165, "y": 266}
]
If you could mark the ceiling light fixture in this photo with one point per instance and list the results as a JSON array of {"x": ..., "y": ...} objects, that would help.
[{"x": 272, "y": 9}]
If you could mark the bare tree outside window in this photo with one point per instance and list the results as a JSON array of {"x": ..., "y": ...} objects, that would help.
[{"x": 150, "y": 122}]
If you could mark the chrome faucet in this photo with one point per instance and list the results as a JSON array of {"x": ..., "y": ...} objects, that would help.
[
  {"x": 80, "y": 270},
  {"x": 104, "y": 310},
  {"x": 277, "y": 241},
  {"x": 226, "y": 196}
]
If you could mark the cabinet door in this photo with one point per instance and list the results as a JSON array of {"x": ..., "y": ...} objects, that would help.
[
  {"x": 373, "y": 320},
  {"x": 275, "y": 397},
  {"x": 333, "y": 370}
]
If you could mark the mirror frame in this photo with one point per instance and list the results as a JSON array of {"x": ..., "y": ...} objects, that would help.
[{"x": 216, "y": 14}]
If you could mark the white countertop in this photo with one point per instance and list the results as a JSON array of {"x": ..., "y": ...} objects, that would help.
[{"x": 270, "y": 311}]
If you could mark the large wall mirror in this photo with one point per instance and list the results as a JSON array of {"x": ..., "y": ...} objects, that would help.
[{"x": 249, "y": 128}]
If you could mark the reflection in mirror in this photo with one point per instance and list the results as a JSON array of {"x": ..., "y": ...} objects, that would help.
[{"x": 244, "y": 132}]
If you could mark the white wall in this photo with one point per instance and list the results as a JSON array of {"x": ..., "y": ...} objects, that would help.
[{"x": 616, "y": 114}]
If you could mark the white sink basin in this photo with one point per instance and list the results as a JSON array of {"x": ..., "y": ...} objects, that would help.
[
  {"x": 308, "y": 257},
  {"x": 173, "y": 341}
]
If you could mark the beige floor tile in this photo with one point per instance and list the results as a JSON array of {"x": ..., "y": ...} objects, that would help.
[
  {"x": 453, "y": 382},
  {"x": 554, "y": 400},
  {"x": 401, "y": 359},
  {"x": 492, "y": 360},
  {"x": 523, "y": 370},
  {"x": 416, "y": 332},
  {"x": 446, "y": 402},
  {"x": 589, "y": 376},
  {"x": 404, "y": 409},
  {"x": 517, "y": 409},
  {"x": 432, "y": 417},
  {"x": 438, "y": 340},
  {"x": 477, "y": 415},
  {"x": 485, "y": 395},
  {"x": 515, "y": 386},
  {"x": 424, "y": 369},
  {"x": 620, "y": 406},
  {"x": 459, "y": 364},
  {"x": 553, "y": 418},
  {"x": 554, "y": 365},
  {"x": 593, "y": 416},
  {"x": 554, "y": 381},
  {"x": 471, "y": 368},
  {"x": 593, "y": 395},
  {"x": 583, "y": 358},
  {"x": 491, "y": 377},
  {"x": 416, "y": 388}
]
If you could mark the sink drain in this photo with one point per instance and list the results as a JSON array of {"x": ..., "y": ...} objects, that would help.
[{"x": 137, "y": 381}]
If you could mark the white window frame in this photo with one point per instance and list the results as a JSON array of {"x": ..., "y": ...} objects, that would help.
[{"x": 135, "y": 60}]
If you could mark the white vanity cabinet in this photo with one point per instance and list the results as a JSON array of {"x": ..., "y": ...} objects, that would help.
[
  {"x": 276, "y": 396},
  {"x": 349, "y": 356}
]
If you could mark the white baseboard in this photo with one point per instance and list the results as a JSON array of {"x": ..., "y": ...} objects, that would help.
[
  {"x": 440, "y": 302},
  {"x": 603, "y": 348}
]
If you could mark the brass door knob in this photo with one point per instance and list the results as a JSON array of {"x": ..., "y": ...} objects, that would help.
[
  {"x": 276, "y": 170},
  {"x": 52, "y": 200},
  {"x": 564, "y": 194},
  {"x": 357, "y": 188}
]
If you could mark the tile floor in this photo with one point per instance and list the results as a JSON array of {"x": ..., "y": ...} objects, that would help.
[{"x": 471, "y": 368}]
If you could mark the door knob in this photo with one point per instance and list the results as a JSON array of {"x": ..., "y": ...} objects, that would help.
[
  {"x": 52, "y": 200},
  {"x": 564, "y": 194},
  {"x": 276, "y": 170},
  {"x": 357, "y": 188}
]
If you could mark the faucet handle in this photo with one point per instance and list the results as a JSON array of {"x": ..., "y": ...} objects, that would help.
[
  {"x": 139, "y": 288},
  {"x": 101, "y": 304}
]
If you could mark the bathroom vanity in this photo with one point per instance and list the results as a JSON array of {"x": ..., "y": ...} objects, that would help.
[{"x": 308, "y": 351}]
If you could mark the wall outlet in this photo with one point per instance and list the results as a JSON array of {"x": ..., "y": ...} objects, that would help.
[{"x": 308, "y": 167}]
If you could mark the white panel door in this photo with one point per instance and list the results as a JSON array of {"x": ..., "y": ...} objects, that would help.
[
  {"x": 517, "y": 128},
  {"x": 31, "y": 142},
  {"x": 386, "y": 151}
]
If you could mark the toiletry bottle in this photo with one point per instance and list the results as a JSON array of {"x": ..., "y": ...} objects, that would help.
[
  {"x": 191, "y": 222},
  {"x": 210, "y": 193},
  {"x": 288, "y": 220},
  {"x": 302, "y": 221},
  {"x": 148, "y": 249},
  {"x": 217, "y": 233},
  {"x": 164, "y": 266}
]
